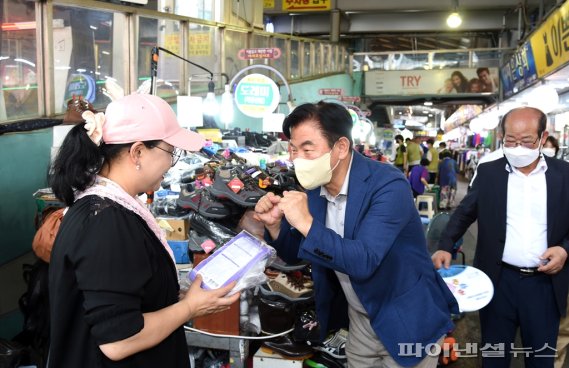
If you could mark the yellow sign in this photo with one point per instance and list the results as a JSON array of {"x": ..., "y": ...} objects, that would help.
[
  {"x": 268, "y": 4},
  {"x": 550, "y": 43},
  {"x": 172, "y": 43},
  {"x": 306, "y": 5},
  {"x": 210, "y": 134},
  {"x": 200, "y": 44}
]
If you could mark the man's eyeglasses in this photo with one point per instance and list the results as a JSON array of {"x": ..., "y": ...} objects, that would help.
[
  {"x": 175, "y": 154},
  {"x": 527, "y": 143}
]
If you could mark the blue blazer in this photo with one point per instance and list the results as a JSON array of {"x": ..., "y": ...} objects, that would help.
[
  {"x": 487, "y": 201},
  {"x": 385, "y": 254}
]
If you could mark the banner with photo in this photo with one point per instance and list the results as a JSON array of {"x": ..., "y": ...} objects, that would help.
[{"x": 427, "y": 82}]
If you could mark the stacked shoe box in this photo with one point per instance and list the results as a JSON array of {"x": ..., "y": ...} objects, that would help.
[
  {"x": 263, "y": 359},
  {"x": 177, "y": 237}
]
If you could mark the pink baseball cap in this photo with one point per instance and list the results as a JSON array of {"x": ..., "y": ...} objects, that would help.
[{"x": 141, "y": 117}]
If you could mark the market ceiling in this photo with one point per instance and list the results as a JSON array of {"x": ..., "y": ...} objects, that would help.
[{"x": 398, "y": 25}]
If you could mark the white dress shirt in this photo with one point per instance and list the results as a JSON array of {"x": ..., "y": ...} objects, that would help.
[
  {"x": 526, "y": 218},
  {"x": 335, "y": 217}
]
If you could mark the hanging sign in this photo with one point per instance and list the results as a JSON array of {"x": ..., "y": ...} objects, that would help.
[
  {"x": 550, "y": 43},
  {"x": 519, "y": 72},
  {"x": 256, "y": 95},
  {"x": 331, "y": 91},
  {"x": 306, "y": 5},
  {"x": 80, "y": 85},
  {"x": 352, "y": 99},
  {"x": 260, "y": 53},
  {"x": 268, "y": 4}
]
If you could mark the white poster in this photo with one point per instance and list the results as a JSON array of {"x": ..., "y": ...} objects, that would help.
[
  {"x": 428, "y": 82},
  {"x": 62, "y": 41}
]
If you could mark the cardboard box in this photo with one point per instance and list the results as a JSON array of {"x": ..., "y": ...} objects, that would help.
[
  {"x": 180, "y": 228},
  {"x": 226, "y": 322},
  {"x": 263, "y": 359}
]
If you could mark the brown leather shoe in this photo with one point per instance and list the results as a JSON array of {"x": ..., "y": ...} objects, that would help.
[{"x": 287, "y": 348}]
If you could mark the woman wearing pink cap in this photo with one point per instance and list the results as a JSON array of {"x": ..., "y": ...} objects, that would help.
[{"x": 113, "y": 283}]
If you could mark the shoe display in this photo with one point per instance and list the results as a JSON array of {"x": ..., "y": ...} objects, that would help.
[
  {"x": 284, "y": 285},
  {"x": 201, "y": 202},
  {"x": 266, "y": 292},
  {"x": 227, "y": 185},
  {"x": 322, "y": 360},
  {"x": 335, "y": 346},
  {"x": 276, "y": 315},
  {"x": 288, "y": 349},
  {"x": 281, "y": 265}
]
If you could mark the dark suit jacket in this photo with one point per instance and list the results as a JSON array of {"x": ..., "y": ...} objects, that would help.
[
  {"x": 486, "y": 202},
  {"x": 385, "y": 254}
]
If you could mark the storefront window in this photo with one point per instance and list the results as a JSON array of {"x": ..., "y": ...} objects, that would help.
[
  {"x": 307, "y": 62},
  {"x": 204, "y": 49},
  {"x": 165, "y": 34},
  {"x": 87, "y": 53},
  {"x": 280, "y": 63},
  {"x": 326, "y": 56},
  {"x": 260, "y": 41},
  {"x": 18, "y": 85},
  {"x": 318, "y": 58},
  {"x": 234, "y": 41},
  {"x": 200, "y": 9},
  {"x": 294, "y": 59}
]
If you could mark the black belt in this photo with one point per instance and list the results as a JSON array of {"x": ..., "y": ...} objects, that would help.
[{"x": 526, "y": 271}]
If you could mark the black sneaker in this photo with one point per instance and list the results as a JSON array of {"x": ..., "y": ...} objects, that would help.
[
  {"x": 227, "y": 185},
  {"x": 202, "y": 203}
]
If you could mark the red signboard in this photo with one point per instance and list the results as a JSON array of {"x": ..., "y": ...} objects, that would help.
[{"x": 260, "y": 53}]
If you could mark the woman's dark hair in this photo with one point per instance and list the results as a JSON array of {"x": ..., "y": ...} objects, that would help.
[
  {"x": 425, "y": 162},
  {"x": 79, "y": 160},
  {"x": 554, "y": 142},
  {"x": 463, "y": 87},
  {"x": 399, "y": 138},
  {"x": 333, "y": 119}
]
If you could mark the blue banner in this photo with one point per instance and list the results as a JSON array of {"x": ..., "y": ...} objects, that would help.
[{"x": 519, "y": 71}]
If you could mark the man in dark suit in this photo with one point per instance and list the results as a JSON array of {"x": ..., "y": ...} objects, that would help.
[
  {"x": 358, "y": 226},
  {"x": 521, "y": 202}
]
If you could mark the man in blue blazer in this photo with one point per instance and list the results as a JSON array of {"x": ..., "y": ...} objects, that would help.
[
  {"x": 358, "y": 226},
  {"x": 521, "y": 202}
]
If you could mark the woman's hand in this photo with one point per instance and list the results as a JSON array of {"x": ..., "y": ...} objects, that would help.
[{"x": 201, "y": 302}]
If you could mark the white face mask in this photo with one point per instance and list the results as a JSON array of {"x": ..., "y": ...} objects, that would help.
[
  {"x": 521, "y": 156},
  {"x": 548, "y": 151},
  {"x": 314, "y": 173}
]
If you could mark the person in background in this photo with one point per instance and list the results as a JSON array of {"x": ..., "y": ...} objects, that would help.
[
  {"x": 113, "y": 284},
  {"x": 433, "y": 157},
  {"x": 489, "y": 83},
  {"x": 551, "y": 147},
  {"x": 418, "y": 177},
  {"x": 414, "y": 153},
  {"x": 346, "y": 227},
  {"x": 520, "y": 202},
  {"x": 447, "y": 87},
  {"x": 459, "y": 82},
  {"x": 442, "y": 147},
  {"x": 474, "y": 85},
  {"x": 448, "y": 169},
  {"x": 400, "y": 160}
]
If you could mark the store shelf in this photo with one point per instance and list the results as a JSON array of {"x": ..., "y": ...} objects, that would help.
[{"x": 238, "y": 348}]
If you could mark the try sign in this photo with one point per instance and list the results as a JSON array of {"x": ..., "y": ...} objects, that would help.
[{"x": 257, "y": 95}]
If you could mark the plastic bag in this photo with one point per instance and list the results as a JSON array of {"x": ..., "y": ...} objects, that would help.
[{"x": 243, "y": 259}]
